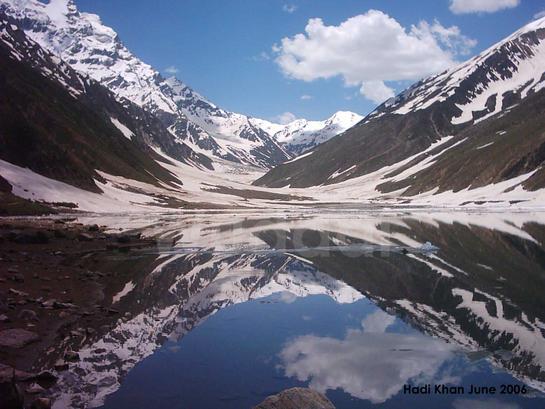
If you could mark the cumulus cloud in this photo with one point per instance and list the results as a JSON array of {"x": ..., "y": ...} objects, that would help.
[
  {"x": 284, "y": 118},
  {"x": 376, "y": 91},
  {"x": 287, "y": 297},
  {"x": 289, "y": 8},
  {"x": 373, "y": 366},
  {"x": 262, "y": 56},
  {"x": 481, "y": 6},
  {"x": 306, "y": 97},
  {"x": 377, "y": 321},
  {"x": 370, "y": 49},
  {"x": 171, "y": 70}
]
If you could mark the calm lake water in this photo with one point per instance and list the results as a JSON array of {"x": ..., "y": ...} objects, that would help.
[{"x": 231, "y": 308}]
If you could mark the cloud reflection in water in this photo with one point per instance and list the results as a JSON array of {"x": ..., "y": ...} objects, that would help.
[{"x": 371, "y": 364}]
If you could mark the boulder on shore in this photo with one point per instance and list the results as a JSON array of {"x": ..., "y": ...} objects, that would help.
[
  {"x": 296, "y": 398},
  {"x": 17, "y": 338}
]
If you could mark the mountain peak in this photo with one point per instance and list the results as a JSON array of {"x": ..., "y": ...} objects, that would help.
[
  {"x": 345, "y": 118},
  {"x": 94, "y": 49},
  {"x": 484, "y": 85}
]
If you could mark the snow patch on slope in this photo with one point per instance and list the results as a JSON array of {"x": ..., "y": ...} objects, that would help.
[{"x": 127, "y": 133}]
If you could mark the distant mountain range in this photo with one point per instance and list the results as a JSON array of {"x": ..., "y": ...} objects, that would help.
[{"x": 93, "y": 49}]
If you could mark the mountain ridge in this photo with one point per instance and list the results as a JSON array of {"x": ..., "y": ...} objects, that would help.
[
  {"x": 457, "y": 103},
  {"x": 96, "y": 50}
]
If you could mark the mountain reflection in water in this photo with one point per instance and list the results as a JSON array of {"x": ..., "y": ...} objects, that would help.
[{"x": 307, "y": 308}]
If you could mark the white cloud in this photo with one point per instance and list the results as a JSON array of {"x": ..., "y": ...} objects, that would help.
[
  {"x": 284, "y": 118},
  {"x": 539, "y": 15},
  {"x": 376, "y": 91},
  {"x": 287, "y": 297},
  {"x": 372, "y": 366},
  {"x": 171, "y": 70},
  {"x": 289, "y": 8},
  {"x": 262, "y": 56},
  {"x": 481, "y": 6},
  {"x": 306, "y": 97},
  {"x": 451, "y": 38},
  {"x": 369, "y": 49},
  {"x": 377, "y": 321}
]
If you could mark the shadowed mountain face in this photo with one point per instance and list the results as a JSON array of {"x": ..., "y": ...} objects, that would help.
[
  {"x": 476, "y": 291},
  {"x": 93, "y": 49},
  {"x": 491, "y": 105},
  {"x": 66, "y": 126}
]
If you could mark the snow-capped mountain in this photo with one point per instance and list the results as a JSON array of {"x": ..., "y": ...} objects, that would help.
[
  {"x": 81, "y": 40},
  {"x": 301, "y": 135},
  {"x": 90, "y": 47},
  {"x": 493, "y": 81},
  {"x": 85, "y": 132},
  {"x": 478, "y": 124}
]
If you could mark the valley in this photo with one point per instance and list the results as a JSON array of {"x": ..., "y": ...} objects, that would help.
[
  {"x": 429, "y": 146},
  {"x": 159, "y": 250}
]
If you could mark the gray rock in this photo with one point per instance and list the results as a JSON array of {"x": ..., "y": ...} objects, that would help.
[
  {"x": 71, "y": 356},
  {"x": 13, "y": 291},
  {"x": 61, "y": 365},
  {"x": 49, "y": 304},
  {"x": 41, "y": 403},
  {"x": 296, "y": 398},
  {"x": 28, "y": 315},
  {"x": 34, "y": 389},
  {"x": 85, "y": 237},
  {"x": 17, "y": 338}
]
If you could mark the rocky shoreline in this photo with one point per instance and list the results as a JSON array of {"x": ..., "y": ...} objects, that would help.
[{"x": 54, "y": 273}]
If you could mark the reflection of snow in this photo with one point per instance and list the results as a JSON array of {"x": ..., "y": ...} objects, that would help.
[
  {"x": 126, "y": 290},
  {"x": 368, "y": 365},
  {"x": 209, "y": 286},
  {"x": 527, "y": 335}
]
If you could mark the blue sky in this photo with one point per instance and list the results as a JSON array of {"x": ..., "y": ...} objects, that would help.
[{"x": 224, "y": 49}]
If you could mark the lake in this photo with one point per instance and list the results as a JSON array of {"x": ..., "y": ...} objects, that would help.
[{"x": 367, "y": 307}]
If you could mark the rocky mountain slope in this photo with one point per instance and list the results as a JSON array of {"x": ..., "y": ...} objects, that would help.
[
  {"x": 94, "y": 49},
  {"x": 474, "y": 125},
  {"x": 67, "y": 127},
  {"x": 89, "y": 47}
]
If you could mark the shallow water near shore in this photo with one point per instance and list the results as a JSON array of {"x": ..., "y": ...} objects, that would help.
[{"x": 228, "y": 309}]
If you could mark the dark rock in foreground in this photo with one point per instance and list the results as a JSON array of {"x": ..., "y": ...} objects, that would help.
[
  {"x": 17, "y": 338},
  {"x": 296, "y": 398}
]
